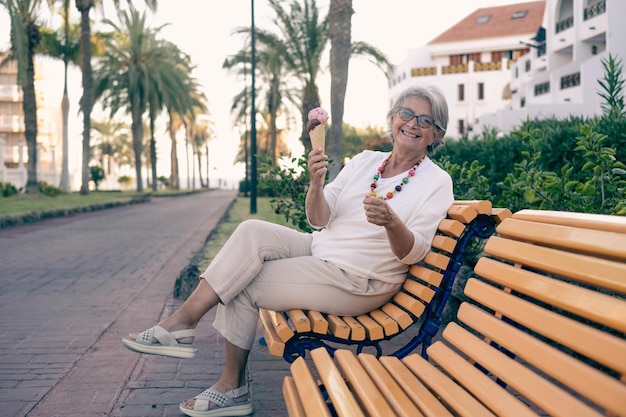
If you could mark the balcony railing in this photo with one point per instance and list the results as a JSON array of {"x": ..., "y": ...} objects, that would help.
[
  {"x": 488, "y": 66},
  {"x": 10, "y": 92},
  {"x": 543, "y": 88},
  {"x": 571, "y": 80},
  {"x": 454, "y": 69},
  {"x": 566, "y": 23},
  {"x": 11, "y": 123},
  {"x": 594, "y": 10},
  {"x": 424, "y": 71}
]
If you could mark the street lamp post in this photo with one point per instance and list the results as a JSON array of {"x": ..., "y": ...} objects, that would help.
[{"x": 253, "y": 170}]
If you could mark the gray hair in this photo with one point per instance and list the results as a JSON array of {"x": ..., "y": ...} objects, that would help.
[{"x": 434, "y": 96}]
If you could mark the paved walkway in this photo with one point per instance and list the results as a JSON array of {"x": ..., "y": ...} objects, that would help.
[{"x": 71, "y": 288}]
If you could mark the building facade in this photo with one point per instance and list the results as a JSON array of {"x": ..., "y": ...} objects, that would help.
[
  {"x": 13, "y": 152},
  {"x": 559, "y": 77},
  {"x": 503, "y": 65}
]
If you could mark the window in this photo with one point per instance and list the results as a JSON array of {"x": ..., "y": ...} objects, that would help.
[
  {"x": 475, "y": 57},
  {"x": 481, "y": 91},
  {"x": 461, "y": 126},
  {"x": 483, "y": 19},
  {"x": 520, "y": 14},
  {"x": 461, "y": 92}
]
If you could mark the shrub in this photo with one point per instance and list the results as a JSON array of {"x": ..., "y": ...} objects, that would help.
[
  {"x": 7, "y": 189},
  {"x": 47, "y": 189}
]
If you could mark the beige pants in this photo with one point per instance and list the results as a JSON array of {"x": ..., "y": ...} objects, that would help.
[{"x": 265, "y": 265}]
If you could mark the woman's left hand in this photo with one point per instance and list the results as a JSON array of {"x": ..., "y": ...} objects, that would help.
[{"x": 377, "y": 211}]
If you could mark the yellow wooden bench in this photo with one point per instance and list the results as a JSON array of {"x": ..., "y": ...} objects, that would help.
[
  {"x": 543, "y": 332},
  {"x": 423, "y": 296}
]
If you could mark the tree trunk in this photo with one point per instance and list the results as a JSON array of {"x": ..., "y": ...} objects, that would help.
[
  {"x": 174, "y": 178},
  {"x": 153, "y": 158},
  {"x": 340, "y": 29},
  {"x": 86, "y": 103},
  {"x": 137, "y": 129},
  {"x": 29, "y": 107}
]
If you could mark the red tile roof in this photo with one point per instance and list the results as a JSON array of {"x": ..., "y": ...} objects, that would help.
[{"x": 499, "y": 24}]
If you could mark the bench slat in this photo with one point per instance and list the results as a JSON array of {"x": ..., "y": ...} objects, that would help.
[
  {"x": 600, "y": 308},
  {"x": 390, "y": 327},
  {"x": 462, "y": 212},
  {"x": 453, "y": 395},
  {"x": 292, "y": 399},
  {"x": 444, "y": 243},
  {"x": 401, "y": 317},
  {"x": 310, "y": 396},
  {"x": 418, "y": 290},
  {"x": 593, "y": 242},
  {"x": 437, "y": 260},
  {"x": 366, "y": 392},
  {"x": 300, "y": 321},
  {"x": 481, "y": 206},
  {"x": 547, "y": 396},
  {"x": 338, "y": 327},
  {"x": 409, "y": 303},
  {"x": 584, "y": 220},
  {"x": 339, "y": 393},
  {"x": 357, "y": 331},
  {"x": 591, "y": 383},
  {"x": 281, "y": 325},
  {"x": 485, "y": 389},
  {"x": 429, "y": 405},
  {"x": 320, "y": 324},
  {"x": 373, "y": 329},
  {"x": 274, "y": 343},
  {"x": 586, "y": 269},
  {"x": 427, "y": 275},
  {"x": 453, "y": 228},
  {"x": 391, "y": 391}
]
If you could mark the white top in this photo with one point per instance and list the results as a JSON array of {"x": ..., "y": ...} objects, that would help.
[{"x": 359, "y": 247}]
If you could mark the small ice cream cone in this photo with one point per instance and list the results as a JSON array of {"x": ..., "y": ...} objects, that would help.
[{"x": 318, "y": 137}]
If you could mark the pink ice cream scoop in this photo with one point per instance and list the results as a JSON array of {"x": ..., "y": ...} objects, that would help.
[
  {"x": 320, "y": 114},
  {"x": 317, "y": 133}
]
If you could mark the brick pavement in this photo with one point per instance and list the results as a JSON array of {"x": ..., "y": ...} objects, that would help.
[{"x": 71, "y": 288}]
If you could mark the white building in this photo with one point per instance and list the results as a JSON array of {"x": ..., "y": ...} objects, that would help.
[
  {"x": 470, "y": 62},
  {"x": 502, "y": 65},
  {"x": 560, "y": 76},
  {"x": 13, "y": 151}
]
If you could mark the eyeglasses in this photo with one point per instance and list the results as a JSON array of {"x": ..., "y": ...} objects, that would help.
[{"x": 423, "y": 120}]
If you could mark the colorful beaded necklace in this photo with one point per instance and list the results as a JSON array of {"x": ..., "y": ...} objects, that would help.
[{"x": 398, "y": 187}]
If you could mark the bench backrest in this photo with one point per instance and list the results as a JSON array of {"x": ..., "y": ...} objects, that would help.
[{"x": 546, "y": 317}]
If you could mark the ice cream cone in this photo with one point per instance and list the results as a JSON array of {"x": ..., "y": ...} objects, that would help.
[{"x": 318, "y": 137}]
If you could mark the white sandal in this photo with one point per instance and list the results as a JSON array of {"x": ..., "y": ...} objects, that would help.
[
  {"x": 224, "y": 401},
  {"x": 168, "y": 343}
]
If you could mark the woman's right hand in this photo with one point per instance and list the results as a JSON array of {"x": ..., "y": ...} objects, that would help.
[{"x": 318, "y": 166}]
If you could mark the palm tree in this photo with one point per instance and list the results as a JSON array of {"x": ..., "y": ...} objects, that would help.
[
  {"x": 25, "y": 36},
  {"x": 305, "y": 35},
  {"x": 171, "y": 88},
  {"x": 86, "y": 102},
  {"x": 65, "y": 45},
  {"x": 133, "y": 75},
  {"x": 275, "y": 90}
]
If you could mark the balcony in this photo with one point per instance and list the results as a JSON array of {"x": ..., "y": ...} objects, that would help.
[
  {"x": 11, "y": 93},
  {"x": 454, "y": 69},
  {"x": 564, "y": 24},
  {"x": 594, "y": 10},
  {"x": 11, "y": 123},
  {"x": 424, "y": 71},
  {"x": 488, "y": 66}
]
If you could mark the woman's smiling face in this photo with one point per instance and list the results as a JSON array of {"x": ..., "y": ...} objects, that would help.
[{"x": 410, "y": 134}]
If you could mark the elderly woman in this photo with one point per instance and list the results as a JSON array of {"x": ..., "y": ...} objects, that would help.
[{"x": 374, "y": 220}]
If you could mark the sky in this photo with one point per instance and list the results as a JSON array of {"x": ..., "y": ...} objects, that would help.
[{"x": 204, "y": 30}]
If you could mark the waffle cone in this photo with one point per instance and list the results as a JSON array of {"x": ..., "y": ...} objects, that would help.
[{"x": 318, "y": 137}]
